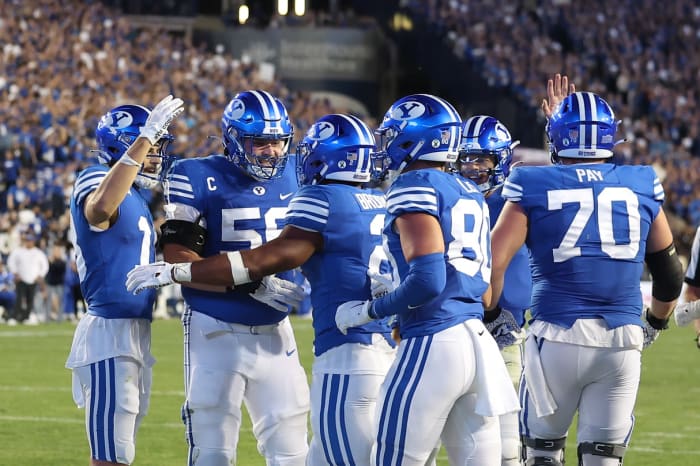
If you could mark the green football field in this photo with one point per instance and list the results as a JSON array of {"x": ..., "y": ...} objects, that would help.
[{"x": 40, "y": 425}]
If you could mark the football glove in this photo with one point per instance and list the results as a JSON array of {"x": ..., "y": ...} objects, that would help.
[
  {"x": 505, "y": 330},
  {"x": 279, "y": 294},
  {"x": 156, "y": 275},
  {"x": 353, "y": 314},
  {"x": 381, "y": 284},
  {"x": 652, "y": 327},
  {"x": 160, "y": 118},
  {"x": 685, "y": 313}
]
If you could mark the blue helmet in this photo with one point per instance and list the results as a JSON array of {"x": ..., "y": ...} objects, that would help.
[
  {"x": 583, "y": 126},
  {"x": 418, "y": 127},
  {"x": 336, "y": 147},
  {"x": 118, "y": 129},
  {"x": 485, "y": 137},
  {"x": 256, "y": 117}
]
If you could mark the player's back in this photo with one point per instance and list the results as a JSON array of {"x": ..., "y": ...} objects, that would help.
[
  {"x": 588, "y": 225},
  {"x": 238, "y": 212},
  {"x": 351, "y": 221},
  {"x": 464, "y": 218},
  {"x": 105, "y": 257}
]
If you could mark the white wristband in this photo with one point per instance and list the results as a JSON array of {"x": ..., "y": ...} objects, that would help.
[
  {"x": 126, "y": 160},
  {"x": 239, "y": 272},
  {"x": 182, "y": 273}
]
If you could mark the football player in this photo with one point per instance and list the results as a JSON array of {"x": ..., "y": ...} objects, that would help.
[
  {"x": 589, "y": 226},
  {"x": 111, "y": 352},
  {"x": 333, "y": 231},
  {"x": 485, "y": 156},
  {"x": 239, "y": 345},
  {"x": 448, "y": 381}
]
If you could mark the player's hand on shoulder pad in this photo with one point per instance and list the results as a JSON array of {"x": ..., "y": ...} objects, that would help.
[
  {"x": 686, "y": 313},
  {"x": 352, "y": 314},
  {"x": 144, "y": 277},
  {"x": 160, "y": 118},
  {"x": 381, "y": 284},
  {"x": 505, "y": 329},
  {"x": 278, "y": 293}
]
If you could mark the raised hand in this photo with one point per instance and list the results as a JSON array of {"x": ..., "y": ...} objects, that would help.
[
  {"x": 557, "y": 89},
  {"x": 160, "y": 118}
]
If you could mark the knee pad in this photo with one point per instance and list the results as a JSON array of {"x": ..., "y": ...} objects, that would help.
[
  {"x": 543, "y": 452},
  {"x": 609, "y": 450}
]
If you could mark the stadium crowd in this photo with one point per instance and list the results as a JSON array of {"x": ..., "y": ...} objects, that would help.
[
  {"x": 641, "y": 55},
  {"x": 63, "y": 65}
]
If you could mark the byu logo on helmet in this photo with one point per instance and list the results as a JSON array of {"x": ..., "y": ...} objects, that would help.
[
  {"x": 121, "y": 119},
  {"x": 321, "y": 130},
  {"x": 237, "y": 109},
  {"x": 408, "y": 111}
]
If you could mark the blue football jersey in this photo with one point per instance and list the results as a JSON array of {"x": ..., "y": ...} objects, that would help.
[
  {"x": 588, "y": 226},
  {"x": 464, "y": 218},
  {"x": 351, "y": 222},
  {"x": 238, "y": 212},
  {"x": 105, "y": 257},
  {"x": 517, "y": 284}
]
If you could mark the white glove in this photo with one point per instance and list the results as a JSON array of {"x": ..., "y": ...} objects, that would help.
[
  {"x": 158, "y": 121},
  {"x": 685, "y": 313},
  {"x": 650, "y": 333},
  {"x": 380, "y": 284},
  {"x": 352, "y": 314},
  {"x": 278, "y": 293},
  {"x": 157, "y": 275}
]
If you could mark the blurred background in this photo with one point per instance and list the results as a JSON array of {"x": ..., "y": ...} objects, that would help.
[{"x": 63, "y": 66}]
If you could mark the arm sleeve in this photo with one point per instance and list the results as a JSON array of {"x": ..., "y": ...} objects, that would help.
[{"x": 426, "y": 278}]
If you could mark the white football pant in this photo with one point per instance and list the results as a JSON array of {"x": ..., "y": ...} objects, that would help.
[
  {"x": 600, "y": 383},
  {"x": 428, "y": 396},
  {"x": 116, "y": 393},
  {"x": 344, "y": 390},
  {"x": 230, "y": 364}
]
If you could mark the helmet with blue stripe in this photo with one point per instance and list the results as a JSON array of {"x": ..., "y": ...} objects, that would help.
[
  {"x": 485, "y": 138},
  {"x": 336, "y": 147},
  {"x": 256, "y": 134},
  {"x": 418, "y": 127},
  {"x": 583, "y": 126},
  {"x": 118, "y": 129}
]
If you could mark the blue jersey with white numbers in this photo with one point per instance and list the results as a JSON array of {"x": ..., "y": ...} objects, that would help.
[
  {"x": 238, "y": 212},
  {"x": 351, "y": 221},
  {"x": 517, "y": 284},
  {"x": 105, "y": 257},
  {"x": 463, "y": 214},
  {"x": 588, "y": 227}
]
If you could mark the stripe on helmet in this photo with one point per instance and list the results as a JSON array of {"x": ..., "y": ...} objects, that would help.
[
  {"x": 270, "y": 114},
  {"x": 472, "y": 128},
  {"x": 366, "y": 139},
  {"x": 446, "y": 105}
]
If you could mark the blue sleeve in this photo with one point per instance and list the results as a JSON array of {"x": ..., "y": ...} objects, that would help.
[{"x": 426, "y": 278}]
